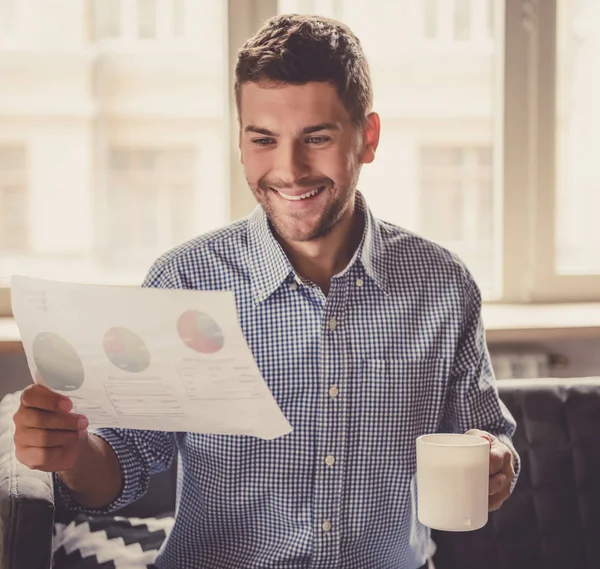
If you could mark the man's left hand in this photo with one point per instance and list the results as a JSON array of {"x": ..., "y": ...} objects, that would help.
[{"x": 502, "y": 470}]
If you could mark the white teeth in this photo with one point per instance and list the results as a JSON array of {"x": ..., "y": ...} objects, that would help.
[{"x": 302, "y": 197}]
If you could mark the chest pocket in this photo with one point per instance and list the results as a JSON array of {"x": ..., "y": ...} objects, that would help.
[{"x": 398, "y": 401}]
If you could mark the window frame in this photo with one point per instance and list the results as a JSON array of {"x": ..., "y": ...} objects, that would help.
[
  {"x": 5, "y": 308},
  {"x": 22, "y": 176},
  {"x": 529, "y": 189},
  {"x": 524, "y": 144}
]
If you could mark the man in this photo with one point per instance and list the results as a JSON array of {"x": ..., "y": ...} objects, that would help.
[{"x": 367, "y": 335}]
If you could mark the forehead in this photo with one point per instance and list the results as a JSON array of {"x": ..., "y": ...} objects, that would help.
[{"x": 311, "y": 103}]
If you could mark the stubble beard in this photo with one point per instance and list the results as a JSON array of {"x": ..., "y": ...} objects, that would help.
[
  {"x": 284, "y": 225},
  {"x": 333, "y": 212}
]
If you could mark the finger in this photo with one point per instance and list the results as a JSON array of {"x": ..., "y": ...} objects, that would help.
[
  {"x": 497, "y": 500},
  {"x": 509, "y": 466},
  {"x": 497, "y": 458},
  {"x": 40, "y": 397},
  {"x": 32, "y": 437},
  {"x": 51, "y": 459},
  {"x": 500, "y": 457},
  {"x": 498, "y": 482},
  {"x": 39, "y": 419}
]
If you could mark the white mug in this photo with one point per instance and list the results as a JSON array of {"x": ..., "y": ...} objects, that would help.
[{"x": 453, "y": 481}]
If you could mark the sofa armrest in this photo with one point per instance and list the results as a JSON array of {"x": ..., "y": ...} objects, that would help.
[{"x": 26, "y": 503}]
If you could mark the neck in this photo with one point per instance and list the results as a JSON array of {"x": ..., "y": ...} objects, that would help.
[{"x": 319, "y": 260}]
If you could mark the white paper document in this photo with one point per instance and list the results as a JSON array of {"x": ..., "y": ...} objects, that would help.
[{"x": 145, "y": 358}]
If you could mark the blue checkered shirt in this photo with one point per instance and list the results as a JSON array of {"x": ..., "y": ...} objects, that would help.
[{"x": 395, "y": 350}]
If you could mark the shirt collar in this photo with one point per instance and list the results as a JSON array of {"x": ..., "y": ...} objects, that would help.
[
  {"x": 270, "y": 267},
  {"x": 371, "y": 250}
]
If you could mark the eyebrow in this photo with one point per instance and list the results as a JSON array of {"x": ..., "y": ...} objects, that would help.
[
  {"x": 322, "y": 126},
  {"x": 306, "y": 130}
]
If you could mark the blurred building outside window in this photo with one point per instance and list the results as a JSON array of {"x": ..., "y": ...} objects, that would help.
[{"x": 115, "y": 114}]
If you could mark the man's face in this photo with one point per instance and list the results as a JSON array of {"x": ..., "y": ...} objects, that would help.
[{"x": 301, "y": 154}]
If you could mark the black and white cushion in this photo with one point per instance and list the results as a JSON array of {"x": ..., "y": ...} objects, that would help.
[{"x": 110, "y": 542}]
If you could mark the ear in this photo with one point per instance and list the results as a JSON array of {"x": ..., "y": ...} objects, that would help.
[
  {"x": 240, "y": 144},
  {"x": 371, "y": 132},
  {"x": 238, "y": 116}
]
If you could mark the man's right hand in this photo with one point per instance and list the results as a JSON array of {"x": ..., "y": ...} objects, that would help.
[{"x": 47, "y": 436}]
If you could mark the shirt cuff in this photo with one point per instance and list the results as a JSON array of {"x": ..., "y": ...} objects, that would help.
[
  {"x": 135, "y": 477},
  {"x": 505, "y": 439}
]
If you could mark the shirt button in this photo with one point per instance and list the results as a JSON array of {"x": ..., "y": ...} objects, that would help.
[
  {"x": 329, "y": 460},
  {"x": 332, "y": 323},
  {"x": 294, "y": 286},
  {"x": 326, "y": 525},
  {"x": 333, "y": 391},
  {"x": 359, "y": 282}
]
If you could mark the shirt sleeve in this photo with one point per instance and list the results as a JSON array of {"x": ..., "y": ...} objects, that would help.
[
  {"x": 472, "y": 400},
  {"x": 140, "y": 453}
]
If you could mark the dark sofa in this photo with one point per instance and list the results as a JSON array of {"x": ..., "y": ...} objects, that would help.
[{"x": 552, "y": 521}]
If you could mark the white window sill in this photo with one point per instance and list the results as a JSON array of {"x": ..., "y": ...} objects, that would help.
[
  {"x": 538, "y": 322},
  {"x": 503, "y": 322}
]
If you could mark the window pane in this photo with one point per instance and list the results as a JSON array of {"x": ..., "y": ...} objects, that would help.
[
  {"x": 106, "y": 16},
  {"x": 490, "y": 10},
  {"x": 457, "y": 196},
  {"x": 8, "y": 17},
  {"x": 151, "y": 197},
  {"x": 462, "y": 20},
  {"x": 578, "y": 132},
  {"x": 434, "y": 170},
  {"x": 129, "y": 158},
  {"x": 431, "y": 18},
  {"x": 146, "y": 18},
  {"x": 178, "y": 18}
]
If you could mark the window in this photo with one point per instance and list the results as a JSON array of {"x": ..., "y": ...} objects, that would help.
[
  {"x": 14, "y": 24},
  {"x": 8, "y": 17},
  {"x": 578, "y": 138},
  {"x": 178, "y": 21},
  {"x": 467, "y": 152},
  {"x": 457, "y": 21},
  {"x": 146, "y": 18},
  {"x": 139, "y": 20},
  {"x": 488, "y": 145},
  {"x": 462, "y": 20},
  {"x": 456, "y": 204},
  {"x": 430, "y": 19},
  {"x": 106, "y": 17},
  {"x": 13, "y": 201},
  {"x": 127, "y": 150},
  {"x": 151, "y": 201},
  {"x": 552, "y": 130},
  {"x": 434, "y": 171}
]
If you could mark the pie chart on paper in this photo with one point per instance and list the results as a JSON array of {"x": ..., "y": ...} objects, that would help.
[
  {"x": 126, "y": 350},
  {"x": 200, "y": 332},
  {"x": 57, "y": 362}
]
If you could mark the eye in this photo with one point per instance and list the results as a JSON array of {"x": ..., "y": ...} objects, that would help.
[
  {"x": 263, "y": 141},
  {"x": 317, "y": 139}
]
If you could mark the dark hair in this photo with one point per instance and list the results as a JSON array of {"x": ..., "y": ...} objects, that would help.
[{"x": 297, "y": 49}]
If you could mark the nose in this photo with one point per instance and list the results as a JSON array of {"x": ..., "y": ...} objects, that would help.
[{"x": 290, "y": 163}]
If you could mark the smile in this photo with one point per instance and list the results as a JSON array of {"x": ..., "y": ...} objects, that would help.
[{"x": 305, "y": 196}]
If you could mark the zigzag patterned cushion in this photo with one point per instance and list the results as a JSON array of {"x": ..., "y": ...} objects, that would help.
[{"x": 110, "y": 542}]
